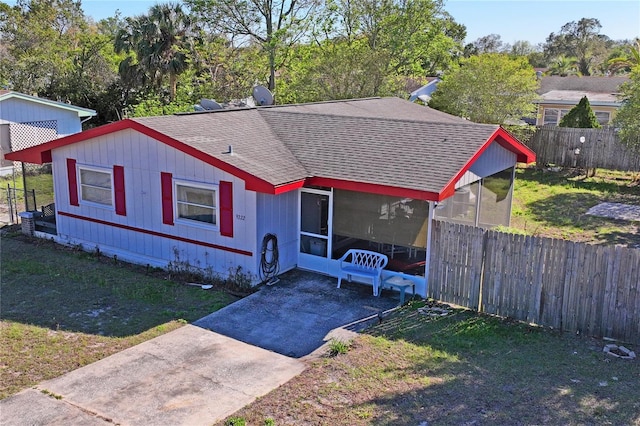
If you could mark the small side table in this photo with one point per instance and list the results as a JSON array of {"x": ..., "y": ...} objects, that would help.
[{"x": 399, "y": 283}]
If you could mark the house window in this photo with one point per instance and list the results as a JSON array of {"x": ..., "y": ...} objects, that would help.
[
  {"x": 196, "y": 202},
  {"x": 553, "y": 116},
  {"x": 550, "y": 116},
  {"x": 96, "y": 185},
  {"x": 603, "y": 117}
]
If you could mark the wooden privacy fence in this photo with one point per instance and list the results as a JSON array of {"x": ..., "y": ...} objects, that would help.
[
  {"x": 576, "y": 287},
  {"x": 602, "y": 148}
]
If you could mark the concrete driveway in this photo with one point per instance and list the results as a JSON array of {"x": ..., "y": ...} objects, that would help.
[
  {"x": 202, "y": 373},
  {"x": 300, "y": 313}
]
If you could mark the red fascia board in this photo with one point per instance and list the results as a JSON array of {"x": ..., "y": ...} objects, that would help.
[
  {"x": 373, "y": 188},
  {"x": 504, "y": 139},
  {"x": 507, "y": 141},
  {"x": 42, "y": 153},
  {"x": 281, "y": 189}
]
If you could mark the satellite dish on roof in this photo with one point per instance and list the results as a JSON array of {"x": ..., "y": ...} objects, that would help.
[
  {"x": 210, "y": 104},
  {"x": 262, "y": 95}
]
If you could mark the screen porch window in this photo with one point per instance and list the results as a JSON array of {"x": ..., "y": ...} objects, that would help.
[
  {"x": 196, "y": 203},
  {"x": 96, "y": 186}
]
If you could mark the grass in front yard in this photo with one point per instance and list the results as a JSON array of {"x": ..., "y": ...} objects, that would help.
[
  {"x": 62, "y": 308},
  {"x": 554, "y": 204},
  {"x": 460, "y": 369}
]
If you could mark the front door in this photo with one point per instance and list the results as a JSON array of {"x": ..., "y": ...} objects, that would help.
[{"x": 315, "y": 229}]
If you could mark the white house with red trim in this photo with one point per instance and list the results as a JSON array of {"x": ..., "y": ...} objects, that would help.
[
  {"x": 27, "y": 120},
  {"x": 208, "y": 187}
]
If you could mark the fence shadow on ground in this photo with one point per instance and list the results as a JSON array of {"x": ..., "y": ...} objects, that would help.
[
  {"x": 569, "y": 211},
  {"x": 478, "y": 369}
]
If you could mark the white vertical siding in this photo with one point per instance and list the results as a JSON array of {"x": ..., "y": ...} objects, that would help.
[
  {"x": 143, "y": 159},
  {"x": 278, "y": 215},
  {"x": 22, "y": 111},
  {"x": 493, "y": 160}
]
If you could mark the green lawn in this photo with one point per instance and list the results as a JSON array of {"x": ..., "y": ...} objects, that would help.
[
  {"x": 41, "y": 184},
  {"x": 461, "y": 369},
  {"x": 62, "y": 308},
  {"x": 554, "y": 204}
]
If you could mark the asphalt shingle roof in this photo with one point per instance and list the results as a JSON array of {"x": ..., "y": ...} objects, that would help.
[
  {"x": 607, "y": 85},
  {"x": 382, "y": 141},
  {"x": 418, "y": 155},
  {"x": 256, "y": 148}
]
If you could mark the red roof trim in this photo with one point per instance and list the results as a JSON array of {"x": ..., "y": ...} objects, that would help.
[
  {"x": 504, "y": 139},
  {"x": 373, "y": 188}
]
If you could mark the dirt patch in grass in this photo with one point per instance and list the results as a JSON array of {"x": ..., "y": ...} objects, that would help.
[
  {"x": 555, "y": 204},
  {"x": 62, "y": 308},
  {"x": 460, "y": 369}
]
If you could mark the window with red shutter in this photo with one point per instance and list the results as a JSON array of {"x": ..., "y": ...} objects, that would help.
[
  {"x": 72, "y": 179},
  {"x": 166, "y": 180},
  {"x": 226, "y": 209},
  {"x": 118, "y": 185}
]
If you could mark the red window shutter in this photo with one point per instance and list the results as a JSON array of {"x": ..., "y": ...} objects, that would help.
[
  {"x": 226, "y": 209},
  {"x": 118, "y": 184},
  {"x": 166, "y": 180},
  {"x": 72, "y": 180}
]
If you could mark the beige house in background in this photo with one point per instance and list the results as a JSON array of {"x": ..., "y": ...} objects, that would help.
[{"x": 558, "y": 95}]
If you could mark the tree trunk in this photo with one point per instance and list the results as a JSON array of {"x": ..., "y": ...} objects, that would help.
[{"x": 173, "y": 83}]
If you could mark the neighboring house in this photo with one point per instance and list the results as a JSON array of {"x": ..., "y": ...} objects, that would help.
[
  {"x": 27, "y": 121},
  {"x": 207, "y": 188},
  {"x": 424, "y": 93},
  {"x": 559, "y": 94}
]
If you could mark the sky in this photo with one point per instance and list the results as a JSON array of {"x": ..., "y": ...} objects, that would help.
[{"x": 513, "y": 20}]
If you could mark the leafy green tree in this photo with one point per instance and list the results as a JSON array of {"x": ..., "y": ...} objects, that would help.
[
  {"x": 337, "y": 70},
  {"x": 48, "y": 48},
  {"x": 41, "y": 39},
  {"x": 162, "y": 41},
  {"x": 564, "y": 66},
  {"x": 626, "y": 60},
  {"x": 275, "y": 25},
  {"x": 626, "y": 119},
  {"x": 490, "y": 88},
  {"x": 521, "y": 48},
  {"x": 223, "y": 71},
  {"x": 581, "y": 116},
  {"x": 581, "y": 40},
  {"x": 491, "y": 43}
]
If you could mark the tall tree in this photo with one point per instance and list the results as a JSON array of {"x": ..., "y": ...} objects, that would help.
[
  {"x": 48, "y": 48},
  {"x": 489, "y": 88},
  {"x": 161, "y": 41},
  {"x": 581, "y": 40},
  {"x": 626, "y": 119},
  {"x": 42, "y": 37},
  {"x": 491, "y": 43},
  {"x": 563, "y": 66},
  {"x": 275, "y": 25},
  {"x": 627, "y": 60},
  {"x": 581, "y": 116}
]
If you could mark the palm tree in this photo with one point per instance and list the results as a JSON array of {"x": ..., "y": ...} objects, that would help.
[
  {"x": 161, "y": 41},
  {"x": 627, "y": 61},
  {"x": 564, "y": 66}
]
